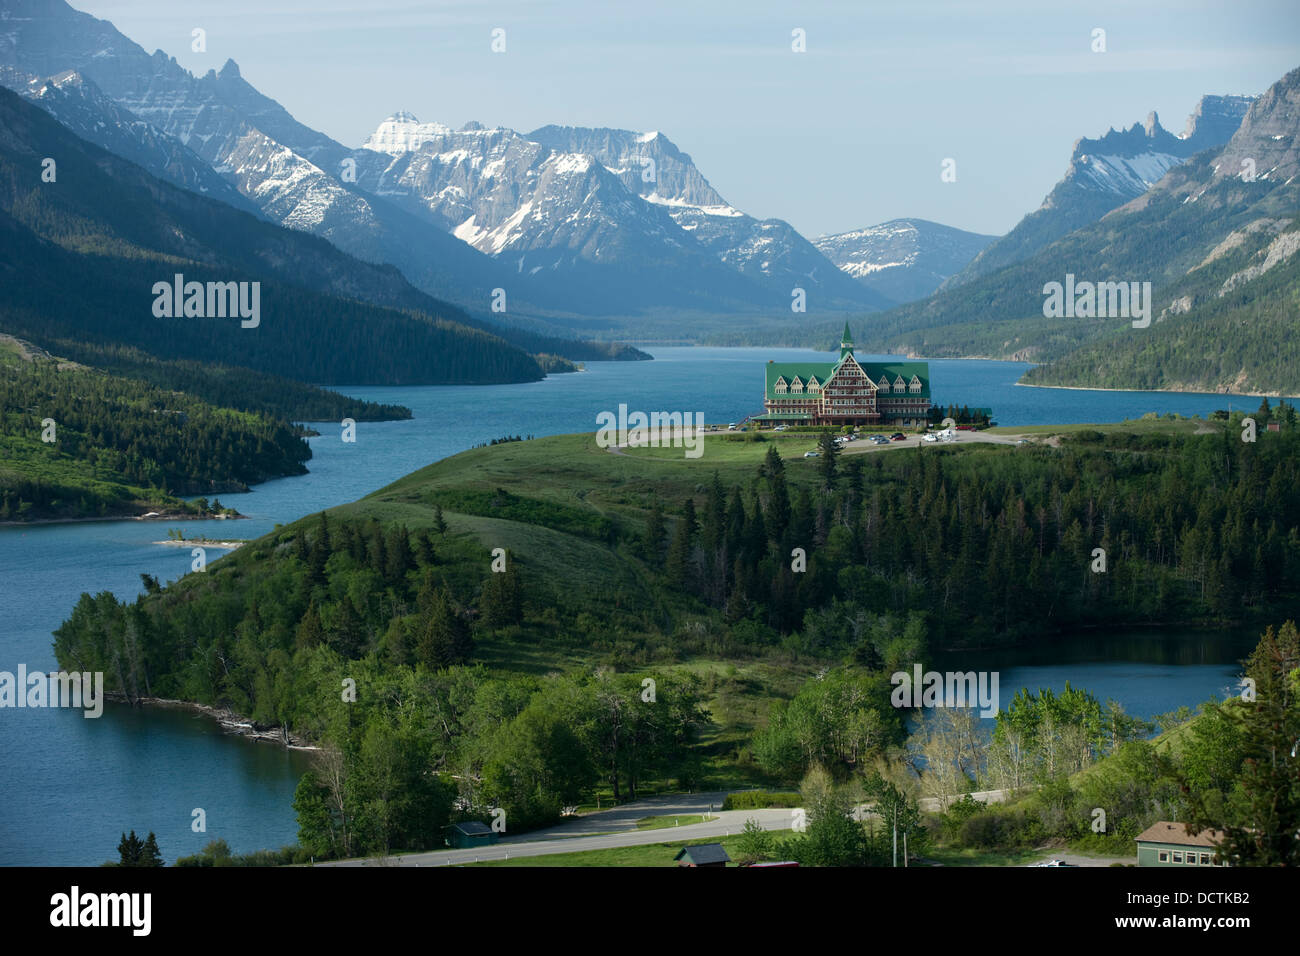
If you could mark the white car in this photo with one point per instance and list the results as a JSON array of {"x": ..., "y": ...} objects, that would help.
[{"x": 810, "y": 454}]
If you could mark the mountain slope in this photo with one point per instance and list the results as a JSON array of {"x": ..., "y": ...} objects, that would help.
[
  {"x": 1104, "y": 174},
  {"x": 1217, "y": 249},
  {"x": 903, "y": 259},
  {"x": 769, "y": 251},
  {"x": 287, "y": 170},
  {"x": 82, "y": 256}
]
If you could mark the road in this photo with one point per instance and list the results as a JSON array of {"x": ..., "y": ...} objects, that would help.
[
  {"x": 616, "y": 827},
  {"x": 602, "y": 830}
]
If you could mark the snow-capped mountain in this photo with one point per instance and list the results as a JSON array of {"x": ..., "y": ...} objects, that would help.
[
  {"x": 564, "y": 228},
  {"x": 903, "y": 259},
  {"x": 286, "y": 170},
  {"x": 649, "y": 164},
  {"x": 560, "y": 198},
  {"x": 82, "y": 107},
  {"x": 1106, "y": 173}
]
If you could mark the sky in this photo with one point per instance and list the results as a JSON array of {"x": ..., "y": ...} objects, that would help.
[{"x": 850, "y": 132}]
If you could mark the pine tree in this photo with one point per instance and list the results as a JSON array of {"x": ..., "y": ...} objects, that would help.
[
  {"x": 677, "y": 566},
  {"x": 826, "y": 464},
  {"x": 149, "y": 854},
  {"x": 444, "y": 640},
  {"x": 347, "y": 636},
  {"x": 501, "y": 600},
  {"x": 129, "y": 850},
  {"x": 439, "y": 524},
  {"x": 399, "y": 558},
  {"x": 655, "y": 533},
  {"x": 689, "y": 519}
]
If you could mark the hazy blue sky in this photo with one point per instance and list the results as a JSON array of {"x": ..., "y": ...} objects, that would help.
[{"x": 850, "y": 133}]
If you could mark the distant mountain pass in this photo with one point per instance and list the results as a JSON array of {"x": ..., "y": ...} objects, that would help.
[{"x": 903, "y": 259}]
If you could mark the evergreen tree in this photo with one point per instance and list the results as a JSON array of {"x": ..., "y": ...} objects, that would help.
[
  {"x": 829, "y": 452},
  {"x": 655, "y": 533},
  {"x": 677, "y": 566},
  {"x": 347, "y": 635},
  {"x": 149, "y": 854},
  {"x": 501, "y": 600},
  {"x": 129, "y": 850},
  {"x": 443, "y": 638}
]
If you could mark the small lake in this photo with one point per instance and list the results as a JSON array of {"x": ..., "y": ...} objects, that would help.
[{"x": 72, "y": 785}]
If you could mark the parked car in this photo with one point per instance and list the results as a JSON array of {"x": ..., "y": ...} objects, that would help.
[
  {"x": 897, "y": 436},
  {"x": 731, "y": 427},
  {"x": 810, "y": 454},
  {"x": 780, "y": 428}
]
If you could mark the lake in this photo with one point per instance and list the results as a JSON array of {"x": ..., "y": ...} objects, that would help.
[{"x": 72, "y": 785}]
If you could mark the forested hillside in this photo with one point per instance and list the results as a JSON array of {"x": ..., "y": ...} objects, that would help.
[
  {"x": 1216, "y": 238},
  {"x": 554, "y": 555},
  {"x": 82, "y": 254},
  {"x": 77, "y": 442}
]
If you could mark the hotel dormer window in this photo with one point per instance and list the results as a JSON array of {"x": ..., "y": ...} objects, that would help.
[
  {"x": 914, "y": 385},
  {"x": 899, "y": 384},
  {"x": 884, "y": 383},
  {"x": 796, "y": 385},
  {"x": 814, "y": 385},
  {"x": 781, "y": 386}
]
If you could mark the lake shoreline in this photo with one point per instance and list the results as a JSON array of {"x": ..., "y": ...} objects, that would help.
[
  {"x": 152, "y": 516},
  {"x": 230, "y": 722}
]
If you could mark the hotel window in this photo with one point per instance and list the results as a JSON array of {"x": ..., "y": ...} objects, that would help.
[
  {"x": 1178, "y": 856},
  {"x": 1163, "y": 856},
  {"x": 1205, "y": 859}
]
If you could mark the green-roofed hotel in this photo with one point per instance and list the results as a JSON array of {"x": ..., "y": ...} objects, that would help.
[{"x": 847, "y": 392}]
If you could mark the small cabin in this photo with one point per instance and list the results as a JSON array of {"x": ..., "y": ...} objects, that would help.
[
  {"x": 705, "y": 854},
  {"x": 470, "y": 833}
]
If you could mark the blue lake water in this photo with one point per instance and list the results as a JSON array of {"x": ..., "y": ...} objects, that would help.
[{"x": 72, "y": 785}]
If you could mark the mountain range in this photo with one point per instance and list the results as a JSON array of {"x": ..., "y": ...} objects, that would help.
[
  {"x": 1104, "y": 174},
  {"x": 542, "y": 235},
  {"x": 1215, "y": 236},
  {"x": 571, "y": 223}
]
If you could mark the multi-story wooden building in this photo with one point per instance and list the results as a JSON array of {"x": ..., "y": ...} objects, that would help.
[{"x": 847, "y": 392}]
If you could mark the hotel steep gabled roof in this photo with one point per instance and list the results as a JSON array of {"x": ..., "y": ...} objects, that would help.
[{"x": 824, "y": 370}]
